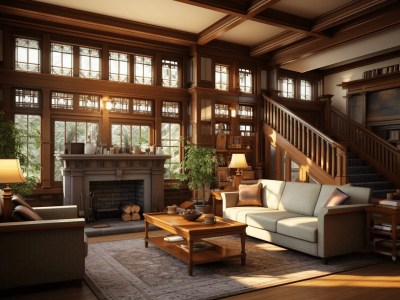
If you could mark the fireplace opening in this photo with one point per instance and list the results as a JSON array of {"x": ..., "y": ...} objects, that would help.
[{"x": 107, "y": 197}]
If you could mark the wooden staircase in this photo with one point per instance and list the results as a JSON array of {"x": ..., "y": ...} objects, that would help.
[{"x": 360, "y": 158}]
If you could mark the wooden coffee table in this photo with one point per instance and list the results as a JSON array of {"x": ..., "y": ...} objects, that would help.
[{"x": 194, "y": 232}]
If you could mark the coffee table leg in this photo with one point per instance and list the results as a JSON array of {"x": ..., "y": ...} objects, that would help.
[
  {"x": 243, "y": 242},
  {"x": 190, "y": 266},
  {"x": 146, "y": 233}
]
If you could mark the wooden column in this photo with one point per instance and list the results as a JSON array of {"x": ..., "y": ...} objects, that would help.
[{"x": 46, "y": 139}]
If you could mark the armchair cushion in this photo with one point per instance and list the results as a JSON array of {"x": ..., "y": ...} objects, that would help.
[
  {"x": 23, "y": 213},
  {"x": 250, "y": 195}
]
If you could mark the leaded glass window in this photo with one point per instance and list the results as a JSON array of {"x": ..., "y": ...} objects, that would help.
[
  {"x": 142, "y": 107},
  {"x": 222, "y": 77},
  {"x": 89, "y": 102},
  {"x": 170, "y": 109},
  {"x": 71, "y": 132},
  {"x": 62, "y": 101},
  {"x": 286, "y": 87},
  {"x": 26, "y": 98},
  {"x": 170, "y": 142},
  {"x": 62, "y": 58},
  {"x": 143, "y": 70},
  {"x": 169, "y": 73},
  {"x": 245, "y": 81},
  {"x": 30, "y": 142},
  {"x": 222, "y": 111},
  {"x": 246, "y": 129},
  {"x": 119, "y": 105},
  {"x": 119, "y": 66},
  {"x": 89, "y": 60},
  {"x": 246, "y": 112},
  {"x": 305, "y": 90},
  {"x": 27, "y": 55}
]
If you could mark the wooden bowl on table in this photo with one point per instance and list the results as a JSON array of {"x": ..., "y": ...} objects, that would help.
[{"x": 190, "y": 215}]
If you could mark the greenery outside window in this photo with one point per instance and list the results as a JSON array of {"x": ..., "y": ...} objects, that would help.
[
  {"x": 286, "y": 87},
  {"x": 30, "y": 126},
  {"x": 222, "y": 77},
  {"x": 170, "y": 142},
  {"x": 119, "y": 67},
  {"x": 126, "y": 135},
  {"x": 62, "y": 57},
  {"x": 89, "y": 102},
  {"x": 89, "y": 63},
  {"x": 143, "y": 69},
  {"x": 245, "y": 81},
  {"x": 305, "y": 90},
  {"x": 71, "y": 132},
  {"x": 27, "y": 55},
  {"x": 169, "y": 73},
  {"x": 119, "y": 105}
]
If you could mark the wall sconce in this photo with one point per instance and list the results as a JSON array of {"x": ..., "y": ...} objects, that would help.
[
  {"x": 10, "y": 172},
  {"x": 107, "y": 103},
  {"x": 233, "y": 112}
]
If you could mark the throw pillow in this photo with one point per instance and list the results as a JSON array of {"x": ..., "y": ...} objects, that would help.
[
  {"x": 337, "y": 197},
  {"x": 250, "y": 195},
  {"x": 22, "y": 213},
  {"x": 19, "y": 200}
]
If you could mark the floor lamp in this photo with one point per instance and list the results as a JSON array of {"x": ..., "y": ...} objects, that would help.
[
  {"x": 238, "y": 162},
  {"x": 10, "y": 172}
]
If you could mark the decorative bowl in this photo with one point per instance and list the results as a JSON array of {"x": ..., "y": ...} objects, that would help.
[{"x": 191, "y": 216}]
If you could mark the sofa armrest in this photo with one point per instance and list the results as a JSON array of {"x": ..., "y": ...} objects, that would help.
[
  {"x": 229, "y": 199},
  {"x": 341, "y": 230},
  {"x": 57, "y": 212}
]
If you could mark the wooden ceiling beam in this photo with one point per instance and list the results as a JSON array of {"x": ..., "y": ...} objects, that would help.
[
  {"x": 347, "y": 12},
  {"x": 370, "y": 25},
  {"x": 227, "y": 23}
]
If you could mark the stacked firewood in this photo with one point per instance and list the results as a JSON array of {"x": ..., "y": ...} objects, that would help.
[{"x": 130, "y": 212}]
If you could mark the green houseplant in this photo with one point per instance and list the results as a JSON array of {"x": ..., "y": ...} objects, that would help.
[
  {"x": 198, "y": 170},
  {"x": 11, "y": 147}
]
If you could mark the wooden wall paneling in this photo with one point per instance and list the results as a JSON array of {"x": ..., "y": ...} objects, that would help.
[
  {"x": 45, "y": 59},
  {"x": 45, "y": 141},
  {"x": 104, "y": 62}
]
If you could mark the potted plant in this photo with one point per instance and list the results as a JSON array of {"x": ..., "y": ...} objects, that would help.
[{"x": 198, "y": 169}]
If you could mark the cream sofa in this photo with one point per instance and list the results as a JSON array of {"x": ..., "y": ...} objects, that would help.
[
  {"x": 293, "y": 216},
  {"x": 46, "y": 251}
]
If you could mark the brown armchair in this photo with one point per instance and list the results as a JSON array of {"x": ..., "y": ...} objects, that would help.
[{"x": 44, "y": 251}]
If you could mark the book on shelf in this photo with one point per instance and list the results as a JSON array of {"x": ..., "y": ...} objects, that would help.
[
  {"x": 384, "y": 226},
  {"x": 395, "y": 203},
  {"x": 198, "y": 246},
  {"x": 173, "y": 238}
]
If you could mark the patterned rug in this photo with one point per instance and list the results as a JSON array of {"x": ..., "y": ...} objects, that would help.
[{"x": 127, "y": 270}]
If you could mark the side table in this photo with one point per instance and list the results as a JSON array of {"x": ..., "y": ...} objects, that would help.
[
  {"x": 383, "y": 230},
  {"x": 216, "y": 196}
]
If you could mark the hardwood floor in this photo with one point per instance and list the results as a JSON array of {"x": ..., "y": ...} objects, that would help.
[{"x": 379, "y": 282}]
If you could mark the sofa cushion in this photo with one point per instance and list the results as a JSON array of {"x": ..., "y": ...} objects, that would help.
[
  {"x": 23, "y": 213},
  {"x": 249, "y": 195},
  {"x": 300, "y": 197},
  {"x": 268, "y": 219},
  {"x": 239, "y": 213},
  {"x": 304, "y": 228},
  {"x": 19, "y": 200},
  {"x": 272, "y": 191},
  {"x": 337, "y": 198}
]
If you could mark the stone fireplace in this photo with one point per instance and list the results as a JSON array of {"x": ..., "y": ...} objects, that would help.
[{"x": 80, "y": 171}]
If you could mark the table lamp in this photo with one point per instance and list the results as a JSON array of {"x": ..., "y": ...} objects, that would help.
[
  {"x": 10, "y": 172},
  {"x": 238, "y": 162}
]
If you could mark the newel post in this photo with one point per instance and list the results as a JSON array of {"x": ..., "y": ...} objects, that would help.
[{"x": 341, "y": 166}]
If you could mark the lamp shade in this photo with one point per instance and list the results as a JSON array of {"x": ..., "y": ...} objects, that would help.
[
  {"x": 10, "y": 171},
  {"x": 238, "y": 161}
]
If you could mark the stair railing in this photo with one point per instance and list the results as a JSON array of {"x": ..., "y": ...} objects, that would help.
[
  {"x": 319, "y": 148},
  {"x": 379, "y": 153}
]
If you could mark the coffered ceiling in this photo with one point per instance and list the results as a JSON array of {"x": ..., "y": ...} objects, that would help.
[{"x": 298, "y": 35}]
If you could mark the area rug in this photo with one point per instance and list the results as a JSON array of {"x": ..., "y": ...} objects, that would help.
[{"x": 128, "y": 270}]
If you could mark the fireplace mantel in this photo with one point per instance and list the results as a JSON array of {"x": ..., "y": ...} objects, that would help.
[{"x": 80, "y": 169}]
